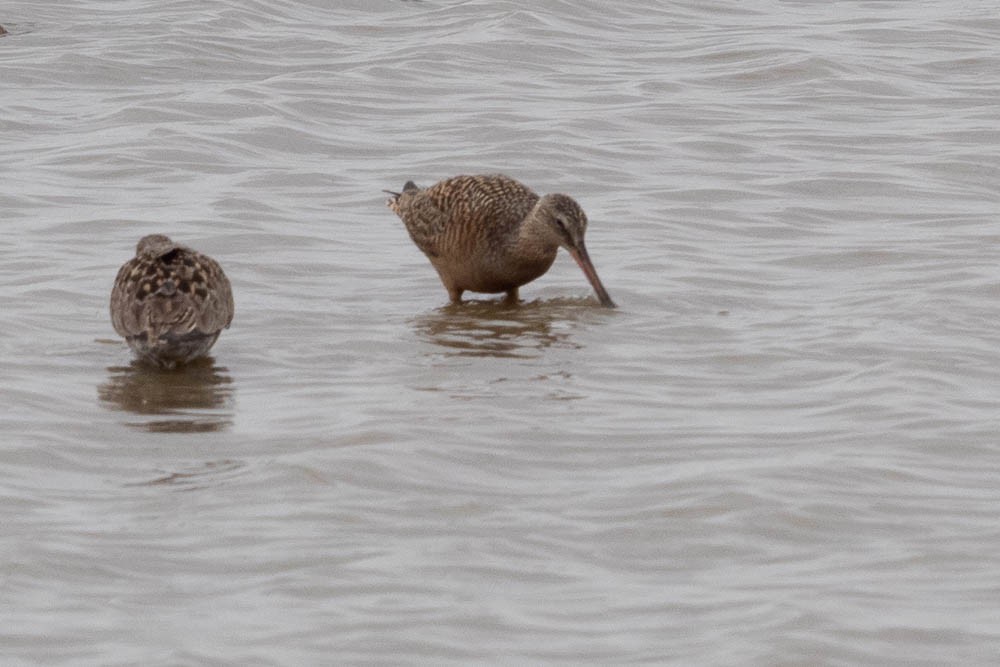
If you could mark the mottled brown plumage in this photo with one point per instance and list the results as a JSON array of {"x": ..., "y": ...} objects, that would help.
[
  {"x": 170, "y": 302},
  {"x": 493, "y": 234}
]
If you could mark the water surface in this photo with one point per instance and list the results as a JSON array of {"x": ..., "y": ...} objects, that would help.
[{"x": 780, "y": 449}]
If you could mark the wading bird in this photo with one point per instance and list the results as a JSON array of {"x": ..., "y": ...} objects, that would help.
[
  {"x": 170, "y": 302},
  {"x": 493, "y": 234}
]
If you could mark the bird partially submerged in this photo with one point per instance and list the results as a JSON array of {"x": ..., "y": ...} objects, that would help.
[
  {"x": 493, "y": 234},
  {"x": 170, "y": 302}
]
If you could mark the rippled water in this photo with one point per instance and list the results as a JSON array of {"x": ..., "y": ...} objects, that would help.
[{"x": 781, "y": 449}]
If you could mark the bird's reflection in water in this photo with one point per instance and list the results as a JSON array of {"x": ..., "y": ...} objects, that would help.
[
  {"x": 197, "y": 397},
  {"x": 501, "y": 329}
]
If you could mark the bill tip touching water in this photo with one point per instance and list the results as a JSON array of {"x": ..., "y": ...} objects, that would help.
[
  {"x": 492, "y": 234},
  {"x": 170, "y": 302}
]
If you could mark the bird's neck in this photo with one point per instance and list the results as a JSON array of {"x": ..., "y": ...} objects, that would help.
[{"x": 534, "y": 238}]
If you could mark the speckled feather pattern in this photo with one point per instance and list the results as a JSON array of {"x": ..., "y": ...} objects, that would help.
[
  {"x": 472, "y": 230},
  {"x": 492, "y": 234},
  {"x": 170, "y": 302},
  {"x": 466, "y": 214}
]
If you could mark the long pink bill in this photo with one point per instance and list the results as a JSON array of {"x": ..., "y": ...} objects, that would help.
[{"x": 583, "y": 259}]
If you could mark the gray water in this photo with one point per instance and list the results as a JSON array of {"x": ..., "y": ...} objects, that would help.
[{"x": 781, "y": 449}]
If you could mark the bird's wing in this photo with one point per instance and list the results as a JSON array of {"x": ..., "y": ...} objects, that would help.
[
  {"x": 126, "y": 309},
  {"x": 463, "y": 212},
  {"x": 187, "y": 296}
]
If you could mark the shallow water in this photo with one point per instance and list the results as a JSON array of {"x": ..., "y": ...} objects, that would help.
[{"x": 780, "y": 449}]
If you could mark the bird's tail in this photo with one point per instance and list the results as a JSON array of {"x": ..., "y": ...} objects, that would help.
[{"x": 393, "y": 201}]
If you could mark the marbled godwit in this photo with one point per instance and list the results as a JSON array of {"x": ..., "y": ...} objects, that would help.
[
  {"x": 170, "y": 302},
  {"x": 492, "y": 234}
]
